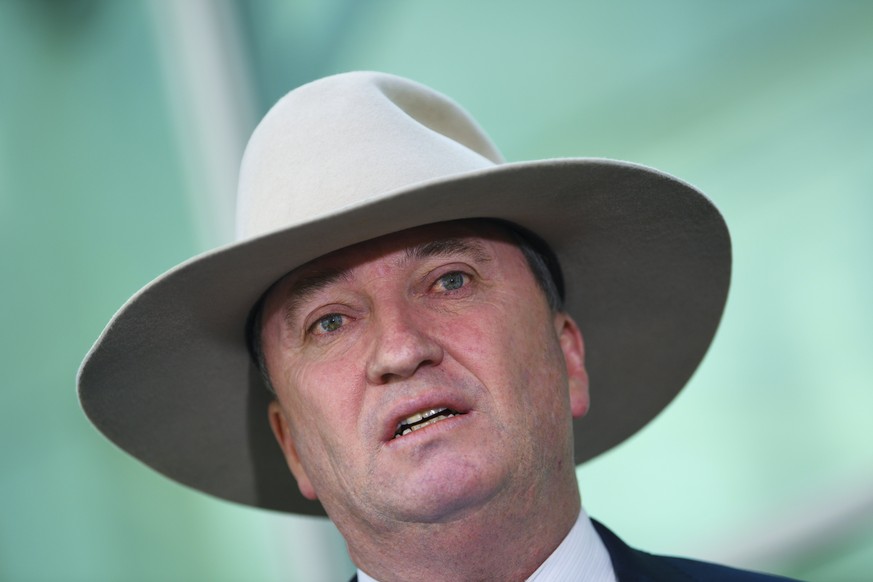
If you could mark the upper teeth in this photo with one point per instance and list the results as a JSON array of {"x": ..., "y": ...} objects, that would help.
[{"x": 421, "y": 420}]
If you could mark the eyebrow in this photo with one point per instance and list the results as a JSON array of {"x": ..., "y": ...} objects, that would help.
[
  {"x": 305, "y": 287},
  {"x": 447, "y": 247}
]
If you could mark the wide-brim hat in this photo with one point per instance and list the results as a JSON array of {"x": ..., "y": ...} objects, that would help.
[{"x": 645, "y": 258}]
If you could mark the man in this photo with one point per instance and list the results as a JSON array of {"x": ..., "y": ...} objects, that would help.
[{"x": 416, "y": 309}]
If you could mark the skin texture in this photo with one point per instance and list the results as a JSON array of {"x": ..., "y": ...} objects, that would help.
[{"x": 446, "y": 315}]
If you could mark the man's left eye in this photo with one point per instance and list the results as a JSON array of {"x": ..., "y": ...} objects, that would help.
[
  {"x": 328, "y": 324},
  {"x": 452, "y": 281}
]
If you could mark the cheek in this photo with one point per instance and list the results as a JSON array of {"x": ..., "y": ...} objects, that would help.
[
  {"x": 323, "y": 389},
  {"x": 472, "y": 339},
  {"x": 533, "y": 367},
  {"x": 322, "y": 401},
  {"x": 319, "y": 372},
  {"x": 512, "y": 346}
]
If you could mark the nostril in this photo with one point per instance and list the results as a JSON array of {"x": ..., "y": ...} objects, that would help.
[
  {"x": 393, "y": 376},
  {"x": 399, "y": 351}
]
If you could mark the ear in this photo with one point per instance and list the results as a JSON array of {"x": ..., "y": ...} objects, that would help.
[
  {"x": 573, "y": 347},
  {"x": 282, "y": 432}
]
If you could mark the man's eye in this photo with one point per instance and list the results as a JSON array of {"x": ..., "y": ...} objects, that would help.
[
  {"x": 328, "y": 323},
  {"x": 452, "y": 281}
]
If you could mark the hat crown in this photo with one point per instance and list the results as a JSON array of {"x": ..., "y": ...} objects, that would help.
[{"x": 344, "y": 140}]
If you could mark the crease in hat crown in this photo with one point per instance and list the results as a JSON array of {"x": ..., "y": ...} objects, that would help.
[{"x": 344, "y": 140}]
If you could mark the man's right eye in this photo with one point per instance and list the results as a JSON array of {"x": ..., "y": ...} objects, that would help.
[{"x": 328, "y": 324}]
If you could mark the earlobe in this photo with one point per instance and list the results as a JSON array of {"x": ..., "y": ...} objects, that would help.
[
  {"x": 573, "y": 347},
  {"x": 282, "y": 432}
]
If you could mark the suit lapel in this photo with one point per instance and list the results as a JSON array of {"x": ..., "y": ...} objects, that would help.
[{"x": 632, "y": 565}]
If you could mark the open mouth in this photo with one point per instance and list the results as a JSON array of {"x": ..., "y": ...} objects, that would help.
[{"x": 422, "y": 419}]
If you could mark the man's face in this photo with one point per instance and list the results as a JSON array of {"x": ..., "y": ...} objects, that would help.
[{"x": 446, "y": 321}]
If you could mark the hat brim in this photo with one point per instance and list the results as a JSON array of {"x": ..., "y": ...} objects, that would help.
[{"x": 646, "y": 261}]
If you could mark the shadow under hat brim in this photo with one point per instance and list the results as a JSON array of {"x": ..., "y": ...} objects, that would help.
[{"x": 646, "y": 261}]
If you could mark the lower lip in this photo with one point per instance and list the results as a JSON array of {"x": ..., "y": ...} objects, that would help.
[{"x": 430, "y": 430}]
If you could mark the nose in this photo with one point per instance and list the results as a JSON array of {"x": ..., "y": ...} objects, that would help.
[{"x": 400, "y": 347}]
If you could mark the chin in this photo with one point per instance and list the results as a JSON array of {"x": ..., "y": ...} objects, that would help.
[{"x": 446, "y": 495}]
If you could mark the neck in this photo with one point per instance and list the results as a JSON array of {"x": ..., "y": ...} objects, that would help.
[{"x": 487, "y": 543}]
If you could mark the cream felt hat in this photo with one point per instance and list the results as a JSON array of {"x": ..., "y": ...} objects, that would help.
[{"x": 646, "y": 262}]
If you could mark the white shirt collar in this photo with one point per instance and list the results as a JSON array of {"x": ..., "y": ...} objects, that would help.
[{"x": 581, "y": 557}]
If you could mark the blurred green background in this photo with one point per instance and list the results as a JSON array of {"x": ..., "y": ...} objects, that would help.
[{"x": 121, "y": 128}]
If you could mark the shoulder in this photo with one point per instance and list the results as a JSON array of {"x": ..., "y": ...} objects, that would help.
[
  {"x": 633, "y": 565},
  {"x": 717, "y": 573}
]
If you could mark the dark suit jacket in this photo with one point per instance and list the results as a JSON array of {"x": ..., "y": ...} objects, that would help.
[{"x": 632, "y": 565}]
